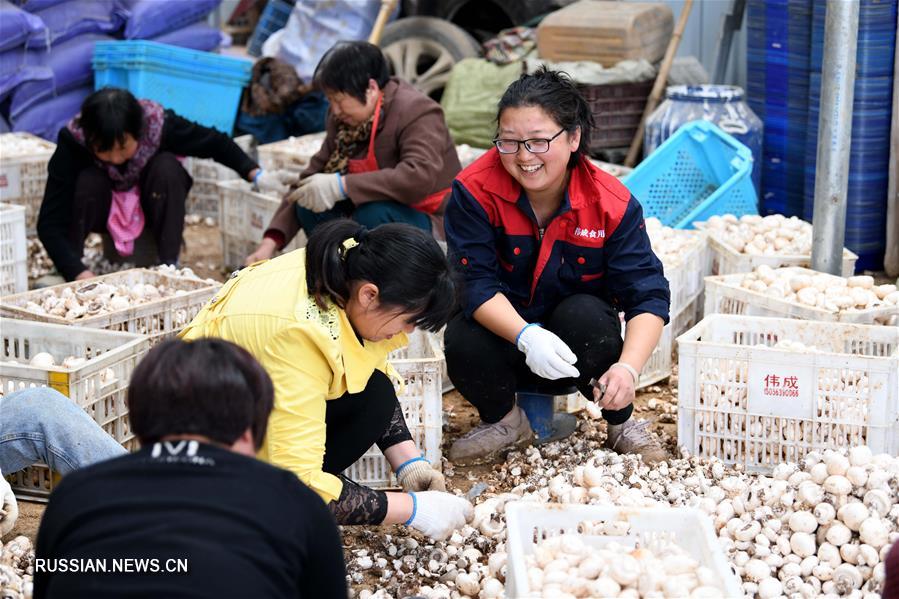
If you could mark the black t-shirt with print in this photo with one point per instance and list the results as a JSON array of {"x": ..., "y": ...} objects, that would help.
[{"x": 240, "y": 528}]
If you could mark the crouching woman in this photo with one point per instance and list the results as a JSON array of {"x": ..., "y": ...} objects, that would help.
[{"x": 322, "y": 321}]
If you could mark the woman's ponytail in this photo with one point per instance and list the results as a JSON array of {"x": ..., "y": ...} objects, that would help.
[
  {"x": 404, "y": 262},
  {"x": 326, "y": 267}
]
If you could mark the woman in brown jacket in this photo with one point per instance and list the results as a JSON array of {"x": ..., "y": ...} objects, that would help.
[{"x": 387, "y": 155}]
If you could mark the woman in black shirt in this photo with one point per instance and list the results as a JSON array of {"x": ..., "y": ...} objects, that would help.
[{"x": 117, "y": 170}]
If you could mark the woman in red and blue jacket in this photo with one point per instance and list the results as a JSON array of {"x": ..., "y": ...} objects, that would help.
[{"x": 550, "y": 249}]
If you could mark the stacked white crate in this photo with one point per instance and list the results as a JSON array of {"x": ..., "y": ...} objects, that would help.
[
  {"x": 13, "y": 250},
  {"x": 98, "y": 386},
  {"x": 291, "y": 154},
  {"x": 684, "y": 272},
  {"x": 420, "y": 366},
  {"x": 245, "y": 216},
  {"x": 204, "y": 198},
  {"x": 23, "y": 173},
  {"x": 745, "y": 401}
]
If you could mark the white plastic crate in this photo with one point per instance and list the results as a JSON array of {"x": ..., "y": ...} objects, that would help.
[
  {"x": 658, "y": 367},
  {"x": 90, "y": 385},
  {"x": 13, "y": 250},
  {"x": 723, "y": 295},
  {"x": 23, "y": 173},
  {"x": 157, "y": 319},
  {"x": 420, "y": 366},
  {"x": 744, "y": 401},
  {"x": 245, "y": 215},
  {"x": 725, "y": 260},
  {"x": 291, "y": 154},
  {"x": 205, "y": 196},
  {"x": 684, "y": 270},
  {"x": 689, "y": 528}
]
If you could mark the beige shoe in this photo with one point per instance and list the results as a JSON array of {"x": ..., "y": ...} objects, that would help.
[
  {"x": 486, "y": 442},
  {"x": 634, "y": 437}
]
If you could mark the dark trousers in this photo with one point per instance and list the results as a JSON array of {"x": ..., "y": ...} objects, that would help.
[
  {"x": 488, "y": 370},
  {"x": 356, "y": 421},
  {"x": 370, "y": 214},
  {"x": 164, "y": 185}
]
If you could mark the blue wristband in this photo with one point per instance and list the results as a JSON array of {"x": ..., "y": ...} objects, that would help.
[
  {"x": 414, "y": 509},
  {"x": 340, "y": 185},
  {"x": 523, "y": 329},
  {"x": 256, "y": 178},
  {"x": 407, "y": 462}
]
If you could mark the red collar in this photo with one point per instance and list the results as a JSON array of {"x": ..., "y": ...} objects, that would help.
[{"x": 586, "y": 186}]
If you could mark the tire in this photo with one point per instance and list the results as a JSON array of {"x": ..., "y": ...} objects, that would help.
[{"x": 423, "y": 50}]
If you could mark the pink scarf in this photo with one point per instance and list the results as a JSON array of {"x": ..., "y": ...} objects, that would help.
[{"x": 125, "y": 222}]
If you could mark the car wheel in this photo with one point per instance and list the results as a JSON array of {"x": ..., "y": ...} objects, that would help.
[{"x": 423, "y": 50}]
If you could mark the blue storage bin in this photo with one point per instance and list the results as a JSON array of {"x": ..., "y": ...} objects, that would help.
[
  {"x": 273, "y": 18},
  {"x": 199, "y": 86},
  {"x": 698, "y": 172}
]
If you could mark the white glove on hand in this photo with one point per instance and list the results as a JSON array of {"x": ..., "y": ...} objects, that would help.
[
  {"x": 276, "y": 182},
  {"x": 546, "y": 355},
  {"x": 318, "y": 192},
  {"x": 9, "y": 510},
  {"x": 418, "y": 475},
  {"x": 438, "y": 514}
]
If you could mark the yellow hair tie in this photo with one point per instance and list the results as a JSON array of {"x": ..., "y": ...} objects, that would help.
[{"x": 348, "y": 244}]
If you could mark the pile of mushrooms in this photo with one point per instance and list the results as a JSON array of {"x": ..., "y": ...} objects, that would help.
[
  {"x": 819, "y": 290},
  {"x": 566, "y": 568},
  {"x": 15, "y": 145},
  {"x": 754, "y": 235},
  {"x": 17, "y": 569},
  {"x": 671, "y": 245},
  {"x": 820, "y": 528}
]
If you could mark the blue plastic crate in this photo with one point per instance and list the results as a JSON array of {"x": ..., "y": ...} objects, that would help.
[
  {"x": 273, "y": 18},
  {"x": 698, "y": 172},
  {"x": 200, "y": 86}
]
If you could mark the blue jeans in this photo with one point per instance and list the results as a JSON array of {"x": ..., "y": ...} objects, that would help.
[
  {"x": 370, "y": 214},
  {"x": 40, "y": 425}
]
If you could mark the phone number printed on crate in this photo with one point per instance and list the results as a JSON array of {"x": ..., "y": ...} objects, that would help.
[
  {"x": 776, "y": 390},
  {"x": 776, "y": 386}
]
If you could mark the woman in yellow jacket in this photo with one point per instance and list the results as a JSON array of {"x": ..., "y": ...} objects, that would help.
[{"x": 322, "y": 320}]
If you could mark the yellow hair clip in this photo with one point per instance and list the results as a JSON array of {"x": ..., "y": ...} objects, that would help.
[{"x": 348, "y": 244}]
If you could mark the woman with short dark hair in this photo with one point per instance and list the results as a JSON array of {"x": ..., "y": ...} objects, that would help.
[
  {"x": 551, "y": 249},
  {"x": 387, "y": 156},
  {"x": 193, "y": 505},
  {"x": 322, "y": 321},
  {"x": 117, "y": 170}
]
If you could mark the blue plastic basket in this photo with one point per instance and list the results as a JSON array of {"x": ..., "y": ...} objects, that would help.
[
  {"x": 199, "y": 86},
  {"x": 698, "y": 172},
  {"x": 273, "y": 18}
]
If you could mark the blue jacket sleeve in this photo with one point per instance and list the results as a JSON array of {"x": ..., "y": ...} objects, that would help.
[
  {"x": 635, "y": 279},
  {"x": 471, "y": 241}
]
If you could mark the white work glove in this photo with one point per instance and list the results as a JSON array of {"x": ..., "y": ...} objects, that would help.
[
  {"x": 546, "y": 355},
  {"x": 318, "y": 192},
  {"x": 9, "y": 510},
  {"x": 418, "y": 475},
  {"x": 276, "y": 182},
  {"x": 438, "y": 514}
]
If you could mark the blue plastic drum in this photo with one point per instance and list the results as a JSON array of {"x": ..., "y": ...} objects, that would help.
[{"x": 723, "y": 105}]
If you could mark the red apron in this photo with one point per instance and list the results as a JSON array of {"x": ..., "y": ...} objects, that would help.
[{"x": 429, "y": 205}]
